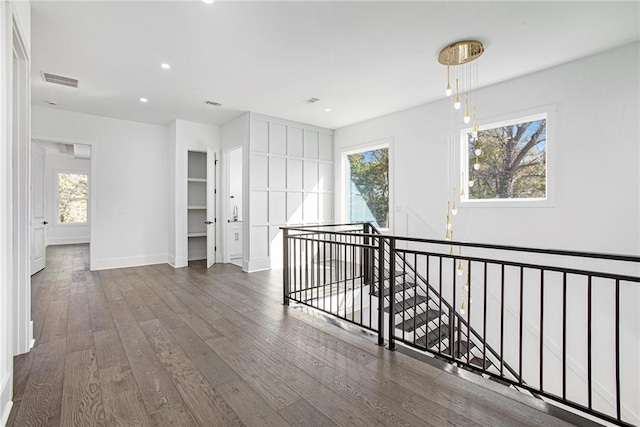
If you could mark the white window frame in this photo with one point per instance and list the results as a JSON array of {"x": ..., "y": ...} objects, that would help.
[
  {"x": 373, "y": 145},
  {"x": 56, "y": 200},
  {"x": 546, "y": 112}
]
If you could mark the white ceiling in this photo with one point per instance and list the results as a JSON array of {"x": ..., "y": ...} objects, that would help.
[{"x": 361, "y": 59}]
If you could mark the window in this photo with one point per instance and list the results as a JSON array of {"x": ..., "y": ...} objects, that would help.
[
  {"x": 367, "y": 186},
  {"x": 72, "y": 198},
  {"x": 506, "y": 161}
]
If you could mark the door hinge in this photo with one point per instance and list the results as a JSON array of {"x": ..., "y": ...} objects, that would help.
[
  {"x": 215, "y": 219},
  {"x": 215, "y": 248},
  {"x": 215, "y": 162},
  {"x": 215, "y": 191}
]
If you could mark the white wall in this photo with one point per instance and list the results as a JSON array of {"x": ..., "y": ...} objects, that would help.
[
  {"x": 58, "y": 234},
  {"x": 290, "y": 183},
  {"x": 594, "y": 152},
  {"x": 596, "y": 155},
  {"x": 129, "y": 221}
]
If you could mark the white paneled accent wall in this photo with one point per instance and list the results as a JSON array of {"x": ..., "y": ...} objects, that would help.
[{"x": 291, "y": 183}]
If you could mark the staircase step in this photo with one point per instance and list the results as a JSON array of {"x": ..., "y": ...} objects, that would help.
[
  {"x": 387, "y": 273},
  {"x": 478, "y": 361},
  {"x": 399, "y": 288},
  {"x": 432, "y": 338},
  {"x": 407, "y": 304},
  {"x": 420, "y": 320},
  {"x": 462, "y": 347}
]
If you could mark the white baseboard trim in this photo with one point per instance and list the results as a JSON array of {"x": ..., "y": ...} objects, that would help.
[
  {"x": 257, "y": 265},
  {"x": 67, "y": 241},
  {"x": 135, "y": 261},
  {"x": 5, "y": 398}
]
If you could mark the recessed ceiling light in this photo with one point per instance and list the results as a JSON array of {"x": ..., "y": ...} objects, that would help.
[
  {"x": 144, "y": 100},
  {"x": 328, "y": 110},
  {"x": 208, "y": 1},
  {"x": 52, "y": 103},
  {"x": 165, "y": 65}
]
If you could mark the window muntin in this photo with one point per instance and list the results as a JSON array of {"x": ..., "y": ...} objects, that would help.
[
  {"x": 506, "y": 161},
  {"x": 367, "y": 186},
  {"x": 73, "y": 201}
]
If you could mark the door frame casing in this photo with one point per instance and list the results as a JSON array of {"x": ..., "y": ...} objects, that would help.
[
  {"x": 93, "y": 183},
  {"x": 20, "y": 141}
]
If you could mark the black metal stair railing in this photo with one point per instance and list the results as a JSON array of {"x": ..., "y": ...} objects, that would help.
[{"x": 534, "y": 325}]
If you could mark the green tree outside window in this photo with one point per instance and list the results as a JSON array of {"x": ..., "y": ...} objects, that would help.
[
  {"x": 508, "y": 162},
  {"x": 72, "y": 198}
]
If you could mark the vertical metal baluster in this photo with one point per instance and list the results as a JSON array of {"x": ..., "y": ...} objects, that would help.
[
  {"x": 308, "y": 276},
  {"x": 312, "y": 273},
  {"x": 332, "y": 263},
  {"x": 415, "y": 295},
  {"x": 353, "y": 279},
  {"x": 440, "y": 308},
  {"x": 324, "y": 272},
  {"x": 294, "y": 273},
  {"x": 617, "y": 302},
  {"x": 501, "y": 320},
  {"x": 521, "y": 323},
  {"x": 285, "y": 267},
  {"x": 360, "y": 251},
  {"x": 589, "y": 397},
  {"x": 380, "y": 292},
  {"x": 392, "y": 275},
  {"x": 452, "y": 319},
  {"x": 564, "y": 335},
  {"x": 346, "y": 263},
  {"x": 484, "y": 318},
  {"x": 469, "y": 311},
  {"x": 404, "y": 294},
  {"x": 426, "y": 327},
  {"x": 541, "y": 330}
]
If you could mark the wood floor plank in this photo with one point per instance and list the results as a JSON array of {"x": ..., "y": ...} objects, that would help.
[
  {"x": 81, "y": 394},
  {"x": 251, "y": 368},
  {"x": 302, "y": 413},
  {"x": 109, "y": 286},
  {"x": 156, "y": 388},
  {"x": 22, "y": 367},
  {"x": 79, "y": 336},
  {"x": 42, "y": 400},
  {"x": 101, "y": 317},
  {"x": 250, "y": 407},
  {"x": 123, "y": 404},
  {"x": 206, "y": 406},
  {"x": 158, "y": 336},
  {"x": 212, "y": 367},
  {"x": 54, "y": 331},
  {"x": 109, "y": 349}
]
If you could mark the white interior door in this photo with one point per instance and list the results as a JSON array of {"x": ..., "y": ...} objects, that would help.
[
  {"x": 38, "y": 223},
  {"x": 211, "y": 207}
]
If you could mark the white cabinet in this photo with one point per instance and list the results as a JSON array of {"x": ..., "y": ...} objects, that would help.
[{"x": 234, "y": 240}]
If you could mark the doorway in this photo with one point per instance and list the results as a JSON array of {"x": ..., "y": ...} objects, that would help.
[{"x": 234, "y": 235}]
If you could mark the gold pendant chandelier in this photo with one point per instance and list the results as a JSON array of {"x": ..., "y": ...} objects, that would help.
[{"x": 457, "y": 57}]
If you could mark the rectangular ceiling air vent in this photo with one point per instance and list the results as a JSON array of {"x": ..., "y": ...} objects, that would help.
[
  {"x": 60, "y": 80},
  {"x": 311, "y": 101},
  {"x": 214, "y": 103}
]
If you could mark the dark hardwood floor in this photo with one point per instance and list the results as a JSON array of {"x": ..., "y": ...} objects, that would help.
[{"x": 159, "y": 346}]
